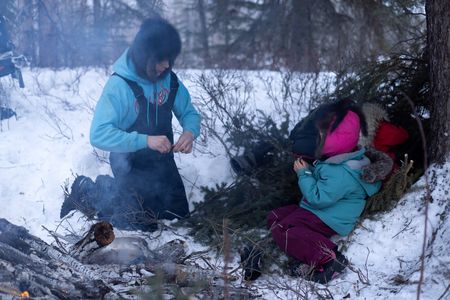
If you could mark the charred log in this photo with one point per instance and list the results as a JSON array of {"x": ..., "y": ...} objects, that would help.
[
  {"x": 118, "y": 269},
  {"x": 135, "y": 250},
  {"x": 28, "y": 264},
  {"x": 99, "y": 235}
]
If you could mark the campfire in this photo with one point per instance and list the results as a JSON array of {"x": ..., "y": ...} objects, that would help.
[{"x": 101, "y": 264}]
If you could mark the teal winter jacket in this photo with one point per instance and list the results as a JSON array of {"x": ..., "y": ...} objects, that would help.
[
  {"x": 334, "y": 191},
  {"x": 117, "y": 109}
]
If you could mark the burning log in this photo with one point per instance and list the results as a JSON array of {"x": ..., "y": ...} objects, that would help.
[
  {"x": 28, "y": 264},
  {"x": 104, "y": 266}
]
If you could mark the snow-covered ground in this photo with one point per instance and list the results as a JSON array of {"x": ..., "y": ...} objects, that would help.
[{"x": 48, "y": 143}]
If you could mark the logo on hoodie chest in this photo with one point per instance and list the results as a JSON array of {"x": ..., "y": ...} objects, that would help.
[
  {"x": 162, "y": 95},
  {"x": 159, "y": 98}
]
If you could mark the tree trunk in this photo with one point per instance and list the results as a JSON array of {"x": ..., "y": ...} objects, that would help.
[
  {"x": 438, "y": 43},
  {"x": 303, "y": 48},
  {"x": 27, "y": 42},
  {"x": 48, "y": 36},
  {"x": 204, "y": 31},
  {"x": 98, "y": 32}
]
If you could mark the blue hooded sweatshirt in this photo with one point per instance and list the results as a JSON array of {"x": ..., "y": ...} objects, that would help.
[
  {"x": 117, "y": 109},
  {"x": 334, "y": 191}
]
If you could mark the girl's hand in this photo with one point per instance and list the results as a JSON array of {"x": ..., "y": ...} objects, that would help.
[{"x": 300, "y": 164}]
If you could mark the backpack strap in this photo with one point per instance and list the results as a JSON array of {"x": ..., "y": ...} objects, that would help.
[
  {"x": 174, "y": 84},
  {"x": 137, "y": 90}
]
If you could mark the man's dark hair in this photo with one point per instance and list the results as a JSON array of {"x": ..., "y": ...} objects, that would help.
[{"x": 156, "y": 41}]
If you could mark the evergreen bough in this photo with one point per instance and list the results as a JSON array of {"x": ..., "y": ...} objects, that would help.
[{"x": 246, "y": 201}]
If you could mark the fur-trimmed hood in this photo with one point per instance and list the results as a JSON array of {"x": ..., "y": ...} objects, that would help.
[
  {"x": 373, "y": 114},
  {"x": 155, "y": 41}
]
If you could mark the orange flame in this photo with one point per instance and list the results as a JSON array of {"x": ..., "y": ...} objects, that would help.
[{"x": 25, "y": 294}]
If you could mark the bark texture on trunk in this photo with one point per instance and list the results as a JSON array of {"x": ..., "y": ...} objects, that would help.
[
  {"x": 438, "y": 43},
  {"x": 204, "y": 31}
]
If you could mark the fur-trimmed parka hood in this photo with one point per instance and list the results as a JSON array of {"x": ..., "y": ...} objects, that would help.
[{"x": 373, "y": 114}]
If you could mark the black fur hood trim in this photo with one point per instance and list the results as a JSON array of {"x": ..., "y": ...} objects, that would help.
[{"x": 155, "y": 41}]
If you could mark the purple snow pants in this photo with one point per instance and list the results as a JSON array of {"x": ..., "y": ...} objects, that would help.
[{"x": 301, "y": 234}]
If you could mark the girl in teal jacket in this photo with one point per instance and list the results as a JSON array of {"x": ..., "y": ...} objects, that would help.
[{"x": 333, "y": 192}]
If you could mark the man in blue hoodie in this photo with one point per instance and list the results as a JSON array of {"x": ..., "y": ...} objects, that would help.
[{"x": 133, "y": 121}]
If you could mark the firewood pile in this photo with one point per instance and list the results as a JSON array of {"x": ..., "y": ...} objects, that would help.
[{"x": 101, "y": 266}]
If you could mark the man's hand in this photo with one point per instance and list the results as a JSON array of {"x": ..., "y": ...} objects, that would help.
[
  {"x": 184, "y": 143},
  {"x": 300, "y": 164},
  {"x": 159, "y": 143}
]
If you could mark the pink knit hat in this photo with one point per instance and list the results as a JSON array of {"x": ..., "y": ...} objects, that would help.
[{"x": 344, "y": 138}]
